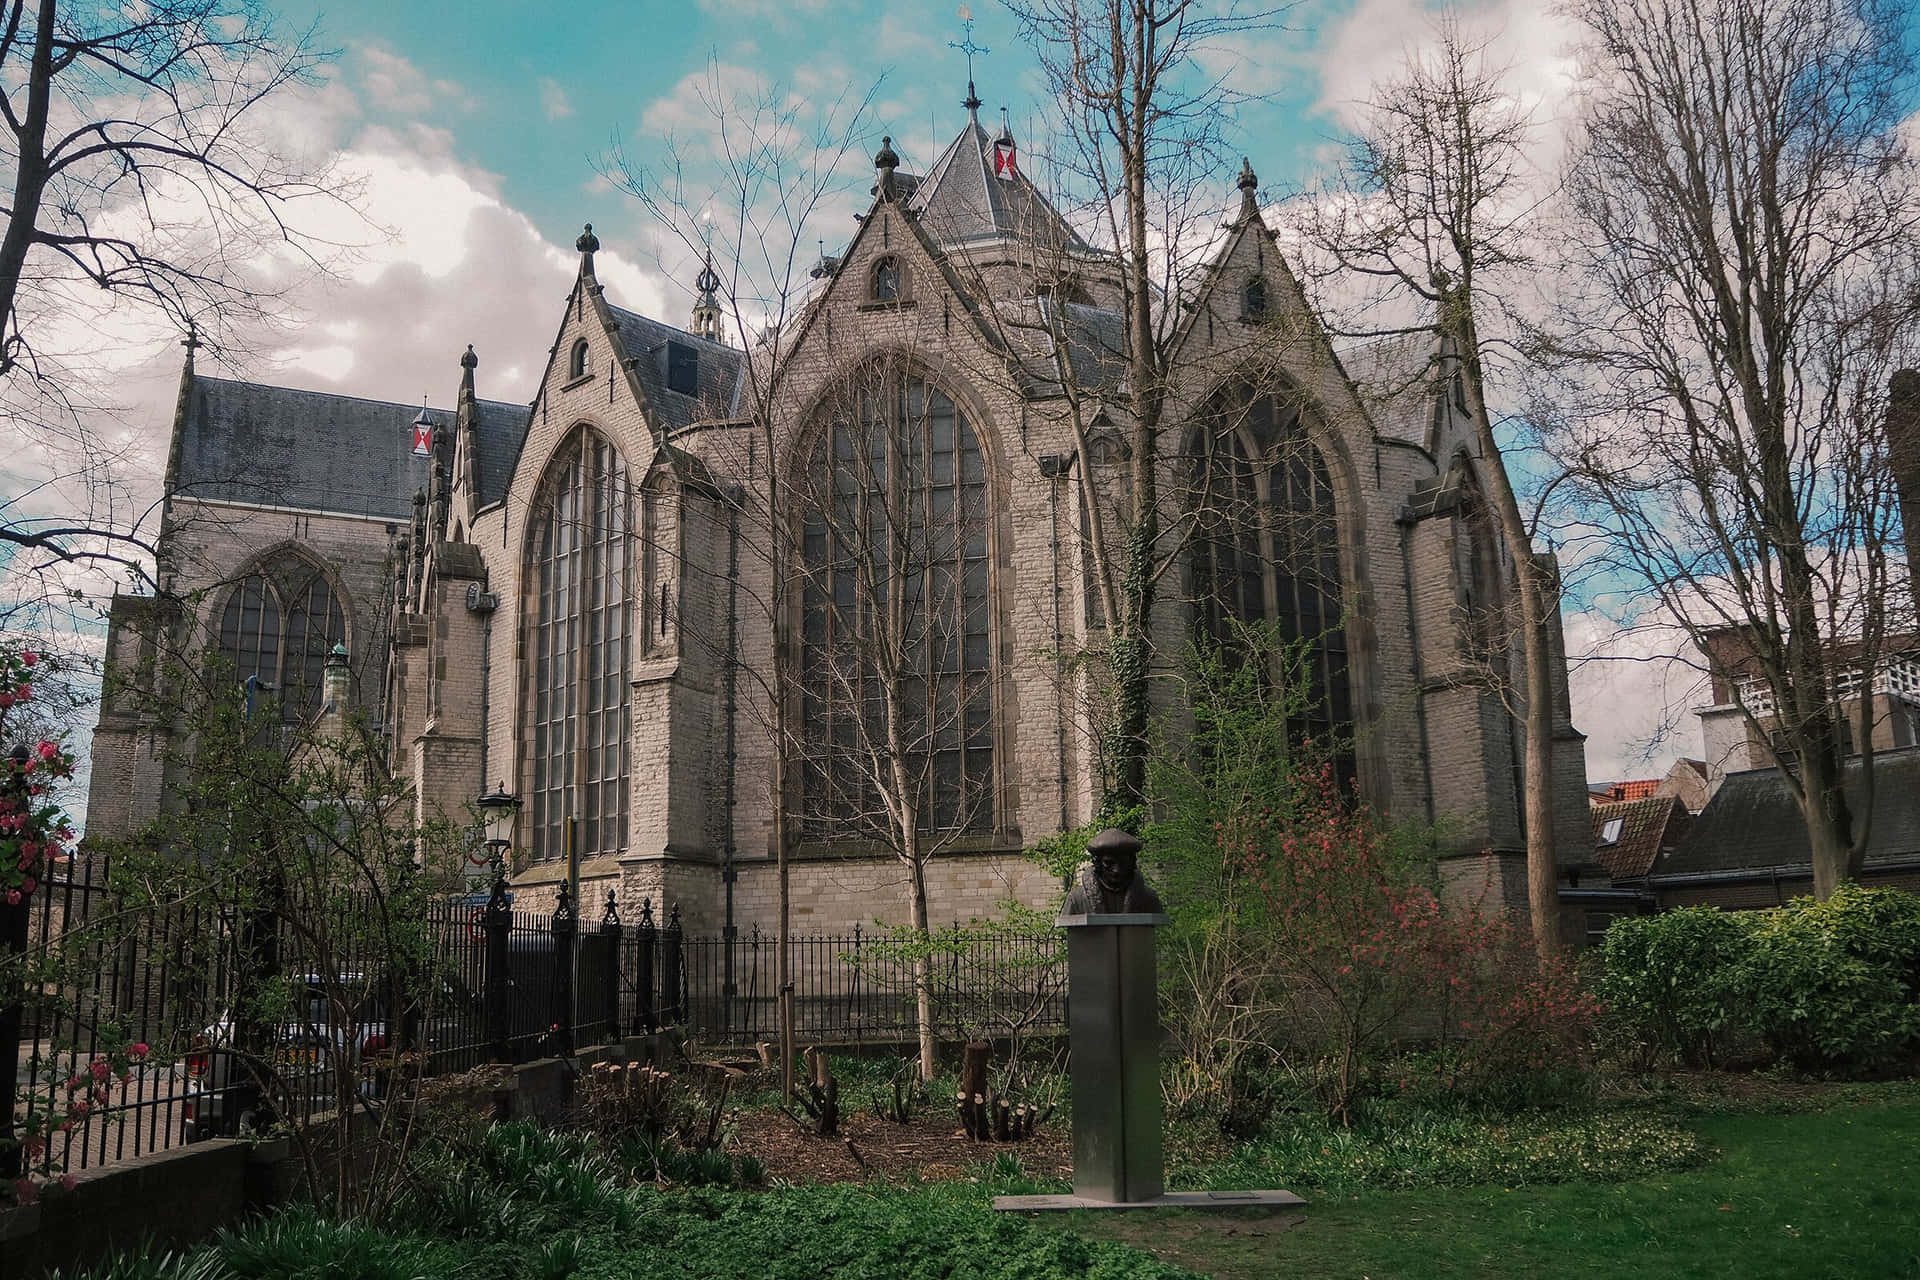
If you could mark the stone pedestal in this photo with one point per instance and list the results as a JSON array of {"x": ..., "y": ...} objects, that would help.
[{"x": 1113, "y": 1023}]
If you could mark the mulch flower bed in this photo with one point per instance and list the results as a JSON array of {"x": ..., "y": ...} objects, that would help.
[{"x": 931, "y": 1146}]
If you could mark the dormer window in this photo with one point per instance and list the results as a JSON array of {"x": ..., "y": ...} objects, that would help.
[
  {"x": 886, "y": 280},
  {"x": 683, "y": 368},
  {"x": 1253, "y": 300},
  {"x": 1610, "y": 830},
  {"x": 577, "y": 362}
]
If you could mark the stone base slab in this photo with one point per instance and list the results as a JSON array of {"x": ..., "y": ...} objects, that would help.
[{"x": 1166, "y": 1200}]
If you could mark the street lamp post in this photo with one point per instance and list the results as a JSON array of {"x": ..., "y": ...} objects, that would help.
[{"x": 498, "y": 808}]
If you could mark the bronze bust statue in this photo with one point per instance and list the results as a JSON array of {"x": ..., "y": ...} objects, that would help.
[{"x": 1112, "y": 884}]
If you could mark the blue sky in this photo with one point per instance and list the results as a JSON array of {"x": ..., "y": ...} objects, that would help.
[{"x": 535, "y": 95}]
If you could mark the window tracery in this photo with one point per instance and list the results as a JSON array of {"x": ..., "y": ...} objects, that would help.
[
  {"x": 1266, "y": 551},
  {"x": 579, "y": 649},
  {"x": 896, "y": 651}
]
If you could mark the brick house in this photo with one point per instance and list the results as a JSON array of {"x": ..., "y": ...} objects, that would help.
[{"x": 562, "y": 595}]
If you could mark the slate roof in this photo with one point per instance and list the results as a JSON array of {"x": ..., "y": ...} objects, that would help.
[
  {"x": 1096, "y": 344},
  {"x": 959, "y": 201},
  {"x": 1647, "y": 824},
  {"x": 1392, "y": 375},
  {"x": 718, "y": 380},
  {"x": 1753, "y": 823},
  {"x": 498, "y": 430},
  {"x": 243, "y": 442}
]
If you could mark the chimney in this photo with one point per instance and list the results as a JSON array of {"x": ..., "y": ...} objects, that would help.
[{"x": 1903, "y": 454}]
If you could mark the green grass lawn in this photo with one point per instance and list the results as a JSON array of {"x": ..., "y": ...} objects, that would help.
[{"x": 1830, "y": 1194}]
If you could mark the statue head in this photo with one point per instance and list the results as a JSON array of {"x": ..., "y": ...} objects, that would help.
[
  {"x": 1115, "y": 862},
  {"x": 1112, "y": 884}
]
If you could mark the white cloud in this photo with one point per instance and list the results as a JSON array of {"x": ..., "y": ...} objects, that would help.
[
  {"x": 1634, "y": 691},
  {"x": 553, "y": 99},
  {"x": 394, "y": 84}
]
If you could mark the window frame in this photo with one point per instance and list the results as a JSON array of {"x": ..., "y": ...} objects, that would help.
[
  {"x": 962, "y": 689},
  {"x": 1307, "y": 536},
  {"x": 579, "y": 649}
]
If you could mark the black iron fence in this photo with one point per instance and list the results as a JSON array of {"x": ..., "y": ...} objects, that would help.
[{"x": 479, "y": 983}]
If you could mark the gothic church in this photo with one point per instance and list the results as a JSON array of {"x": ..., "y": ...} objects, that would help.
[{"x": 565, "y": 596}]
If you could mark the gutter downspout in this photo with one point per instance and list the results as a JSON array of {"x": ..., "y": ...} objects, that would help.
[
  {"x": 1054, "y": 468},
  {"x": 728, "y": 872}
]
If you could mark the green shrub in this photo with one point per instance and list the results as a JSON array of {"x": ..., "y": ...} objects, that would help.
[
  {"x": 1823, "y": 985},
  {"x": 1835, "y": 983},
  {"x": 1670, "y": 981}
]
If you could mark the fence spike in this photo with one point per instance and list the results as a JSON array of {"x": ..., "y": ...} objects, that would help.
[{"x": 612, "y": 913}]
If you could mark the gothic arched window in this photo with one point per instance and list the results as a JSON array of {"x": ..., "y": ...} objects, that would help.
[
  {"x": 577, "y": 360},
  {"x": 578, "y": 649},
  {"x": 1253, "y": 300},
  {"x": 886, "y": 280},
  {"x": 1266, "y": 551},
  {"x": 896, "y": 666},
  {"x": 277, "y": 627}
]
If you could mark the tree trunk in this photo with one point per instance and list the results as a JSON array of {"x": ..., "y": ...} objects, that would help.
[
  {"x": 30, "y": 179},
  {"x": 1132, "y": 650},
  {"x": 923, "y": 973},
  {"x": 1536, "y": 596}
]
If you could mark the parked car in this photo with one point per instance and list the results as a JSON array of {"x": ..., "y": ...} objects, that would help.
[{"x": 305, "y": 1049}]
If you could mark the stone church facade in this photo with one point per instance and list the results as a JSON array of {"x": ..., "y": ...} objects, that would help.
[{"x": 571, "y": 596}]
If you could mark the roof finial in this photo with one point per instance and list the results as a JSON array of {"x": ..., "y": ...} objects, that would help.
[
  {"x": 968, "y": 47},
  {"x": 1248, "y": 184},
  {"x": 885, "y": 163},
  {"x": 469, "y": 360},
  {"x": 588, "y": 243}
]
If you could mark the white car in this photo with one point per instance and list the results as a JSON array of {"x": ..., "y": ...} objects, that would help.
[{"x": 306, "y": 1051}]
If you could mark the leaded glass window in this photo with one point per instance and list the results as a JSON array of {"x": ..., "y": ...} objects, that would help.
[
  {"x": 896, "y": 670},
  {"x": 277, "y": 627},
  {"x": 579, "y": 650},
  {"x": 1266, "y": 551}
]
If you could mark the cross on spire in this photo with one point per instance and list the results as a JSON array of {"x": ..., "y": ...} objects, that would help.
[{"x": 968, "y": 47}]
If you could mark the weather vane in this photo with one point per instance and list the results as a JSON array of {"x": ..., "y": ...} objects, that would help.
[{"x": 968, "y": 47}]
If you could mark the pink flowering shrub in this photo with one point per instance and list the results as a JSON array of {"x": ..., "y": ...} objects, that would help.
[
  {"x": 34, "y": 831},
  {"x": 42, "y": 1132}
]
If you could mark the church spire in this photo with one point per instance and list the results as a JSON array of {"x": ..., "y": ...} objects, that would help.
[{"x": 706, "y": 306}]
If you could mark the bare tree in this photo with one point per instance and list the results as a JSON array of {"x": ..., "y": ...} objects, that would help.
[
  {"x": 895, "y": 671},
  {"x": 748, "y": 195},
  {"x": 1433, "y": 206},
  {"x": 1141, "y": 141},
  {"x": 140, "y": 167},
  {"x": 1748, "y": 229}
]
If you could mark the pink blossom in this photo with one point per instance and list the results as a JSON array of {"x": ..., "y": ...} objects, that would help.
[
  {"x": 139, "y": 1051},
  {"x": 29, "y": 885},
  {"x": 24, "y": 1192},
  {"x": 100, "y": 1069},
  {"x": 13, "y": 897},
  {"x": 80, "y": 1106},
  {"x": 24, "y": 690},
  {"x": 68, "y": 1182},
  {"x": 6, "y": 700},
  {"x": 28, "y": 657},
  {"x": 48, "y": 750}
]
